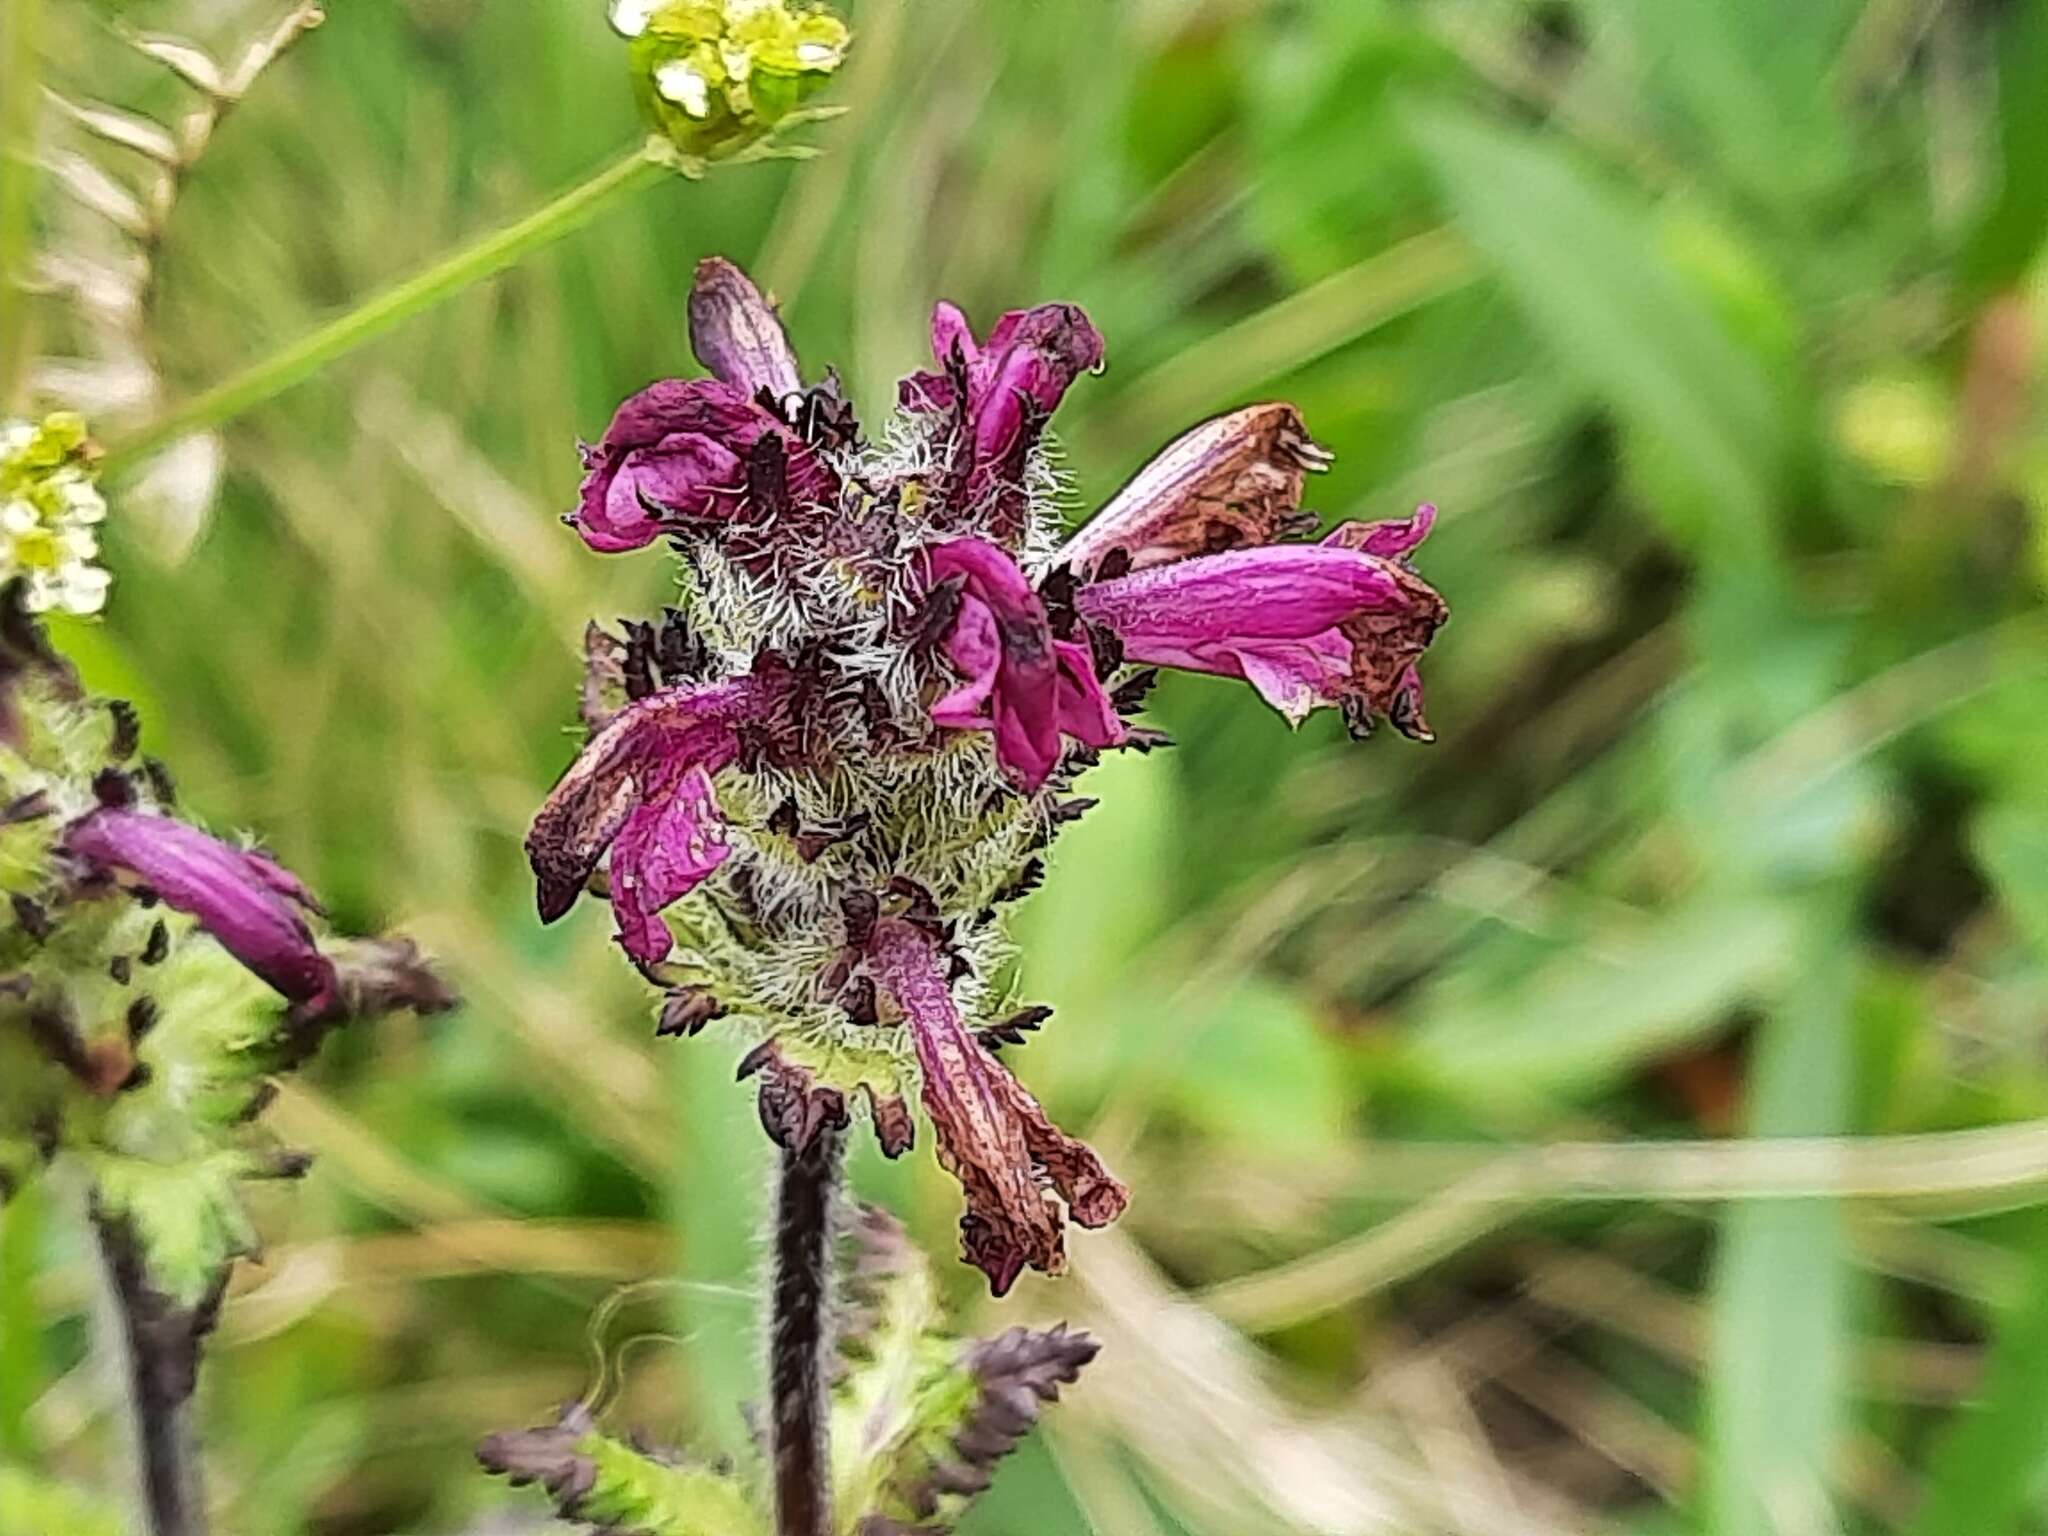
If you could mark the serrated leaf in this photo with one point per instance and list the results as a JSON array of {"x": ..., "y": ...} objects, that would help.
[
  {"x": 897, "y": 1357},
  {"x": 975, "y": 1414},
  {"x": 598, "y": 1481}
]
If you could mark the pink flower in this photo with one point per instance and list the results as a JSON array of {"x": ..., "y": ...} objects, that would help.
[
  {"x": 1003, "y": 390},
  {"x": 692, "y": 451},
  {"x": 992, "y": 1135},
  {"x": 642, "y": 789},
  {"x": 1186, "y": 575},
  {"x": 1304, "y": 624},
  {"x": 248, "y": 903},
  {"x": 1017, "y": 680}
]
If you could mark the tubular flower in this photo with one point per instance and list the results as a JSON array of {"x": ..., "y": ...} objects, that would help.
[
  {"x": 642, "y": 789},
  {"x": 992, "y": 1134},
  {"x": 247, "y": 902},
  {"x": 682, "y": 452},
  {"x": 819, "y": 779},
  {"x": 1019, "y": 682},
  {"x": 1003, "y": 391}
]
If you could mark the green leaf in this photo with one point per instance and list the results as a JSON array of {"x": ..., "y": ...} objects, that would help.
[
  {"x": 1600, "y": 1003},
  {"x": 1253, "y": 1066},
  {"x": 35, "y": 1506},
  {"x": 1584, "y": 262},
  {"x": 600, "y": 1482},
  {"x": 1781, "y": 1285},
  {"x": 634, "y": 1492},
  {"x": 187, "y": 1216},
  {"x": 2012, "y": 226},
  {"x": 1743, "y": 73},
  {"x": 900, "y": 1366},
  {"x": 1996, "y": 1453}
]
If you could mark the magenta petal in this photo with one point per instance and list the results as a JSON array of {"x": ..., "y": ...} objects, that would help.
[
  {"x": 666, "y": 848},
  {"x": 244, "y": 900},
  {"x": 1305, "y": 624},
  {"x": 674, "y": 454},
  {"x": 642, "y": 759},
  {"x": 1390, "y": 540},
  {"x": 1294, "y": 676},
  {"x": 973, "y": 648},
  {"x": 1287, "y": 591},
  {"x": 1023, "y": 702},
  {"x": 951, "y": 334},
  {"x": 1085, "y": 711},
  {"x": 1012, "y": 383}
]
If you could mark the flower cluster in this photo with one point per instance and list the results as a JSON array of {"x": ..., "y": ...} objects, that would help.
[
  {"x": 48, "y": 506},
  {"x": 816, "y": 781},
  {"x": 717, "y": 76},
  {"x": 152, "y": 977}
]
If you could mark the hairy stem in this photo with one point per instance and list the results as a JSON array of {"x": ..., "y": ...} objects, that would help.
[
  {"x": 450, "y": 275},
  {"x": 799, "y": 1336},
  {"x": 161, "y": 1340}
]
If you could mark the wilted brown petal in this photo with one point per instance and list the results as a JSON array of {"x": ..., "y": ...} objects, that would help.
[
  {"x": 992, "y": 1135},
  {"x": 1233, "y": 481},
  {"x": 1386, "y": 644}
]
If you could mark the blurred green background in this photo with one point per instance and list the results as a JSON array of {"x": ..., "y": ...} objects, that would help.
[{"x": 1452, "y": 1083}]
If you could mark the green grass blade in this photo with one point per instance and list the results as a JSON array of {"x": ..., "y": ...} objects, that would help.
[
  {"x": 1584, "y": 265},
  {"x": 1780, "y": 1304},
  {"x": 1995, "y": 1455}
]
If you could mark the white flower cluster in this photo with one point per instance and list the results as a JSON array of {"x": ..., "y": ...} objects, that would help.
[{"x": 48, "y": 507}]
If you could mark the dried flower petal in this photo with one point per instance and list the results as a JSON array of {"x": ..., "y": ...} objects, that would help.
[
  {"x": 992, "y": 1135},
  {"x": 735, "y": 332},
  {"x": 1232, "y": 482}
]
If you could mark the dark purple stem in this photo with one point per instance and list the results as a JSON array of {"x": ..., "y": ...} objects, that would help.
[
  {"x": 163, "y": 1344},
  {"x": 797, "y": 1340}
]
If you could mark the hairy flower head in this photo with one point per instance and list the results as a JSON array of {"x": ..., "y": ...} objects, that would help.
[
  {"x": 153, "y": 976},
  {"x": 49, "y": 505},
  {"x": 812, "y": 786}
]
